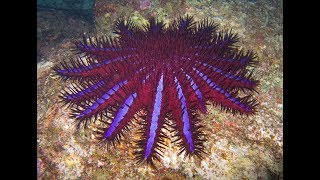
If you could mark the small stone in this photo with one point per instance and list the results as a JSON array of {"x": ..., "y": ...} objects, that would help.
[{"x": 100, "y": 163}]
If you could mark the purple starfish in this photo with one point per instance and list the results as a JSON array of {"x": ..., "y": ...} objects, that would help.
[{"x": 167, "y": 73}]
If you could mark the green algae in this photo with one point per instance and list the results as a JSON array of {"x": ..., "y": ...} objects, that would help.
[{"x": 138, "y": 19}]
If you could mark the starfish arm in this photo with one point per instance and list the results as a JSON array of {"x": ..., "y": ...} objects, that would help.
[
  {"x": 228, "y": 80},
  {"x": 100, "y": 50},
  {"x": 188, "y": 133},
  {"x": 230, "y": 62},
  {"x": 77, "y": 92},
  {"x": 120, "y": 121},
  {"x": 224, "y": 41},
  {"x": 80, "y": 68},
  {"x": 184, "y": 25},
  {"x": 89, "y": 89},
  {"x": 226, "y": 99},
  {"x": 115, "y": 94},
  {"x": 151, "y": 143},
  {"x": 86, "y": 111},
  {"x": 204, "y": 33},
  {"x": 125, "y": 113},
  {"x": 195, "y": 96}
]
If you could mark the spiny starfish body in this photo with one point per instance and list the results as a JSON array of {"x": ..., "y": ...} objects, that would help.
[{"x": 170, "y": 73}]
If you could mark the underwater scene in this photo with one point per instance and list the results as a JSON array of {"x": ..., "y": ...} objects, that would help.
[{"x": 159, "y": 89}]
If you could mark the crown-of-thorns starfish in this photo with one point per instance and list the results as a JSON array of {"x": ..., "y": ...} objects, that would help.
[{"x": 168, "y": 72}]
